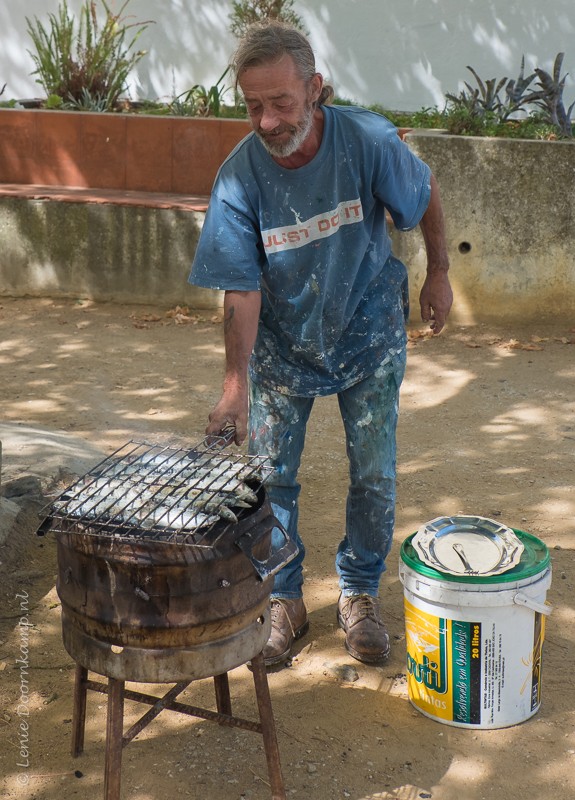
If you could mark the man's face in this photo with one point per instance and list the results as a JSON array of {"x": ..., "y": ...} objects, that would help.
[{"x": 280, "y": 105}]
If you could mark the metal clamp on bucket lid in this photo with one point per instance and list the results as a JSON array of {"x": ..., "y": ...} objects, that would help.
[{"x": 468, "y": 545}]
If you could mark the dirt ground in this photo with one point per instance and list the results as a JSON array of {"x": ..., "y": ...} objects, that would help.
[{"x": 487, "y": 427}]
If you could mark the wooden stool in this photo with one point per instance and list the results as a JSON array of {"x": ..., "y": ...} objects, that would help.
[{"x": 116, "y": 739}]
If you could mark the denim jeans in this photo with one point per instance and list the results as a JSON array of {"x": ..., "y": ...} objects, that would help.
[{"x": 369, "y": 412}]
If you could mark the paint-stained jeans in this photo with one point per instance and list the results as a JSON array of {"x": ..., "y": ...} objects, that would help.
[{"x": 369, "y": 412}]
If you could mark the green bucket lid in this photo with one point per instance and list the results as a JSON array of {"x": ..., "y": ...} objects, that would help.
[{"x": 534, "y": 559}]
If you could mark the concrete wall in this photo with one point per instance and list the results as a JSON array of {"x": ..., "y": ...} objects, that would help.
[
  {"x": 405, "y": 55},
  {"x": 510, "y": 217},
  {"x": 124, "y": 254}
]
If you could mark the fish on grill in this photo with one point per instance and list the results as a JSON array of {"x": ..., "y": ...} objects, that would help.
[
  {"x": 201, "y": 470},
  {"x": 163, "y": 490},
  {"x": 149, "y": 502},
  {"x": 196, "y": 482}
]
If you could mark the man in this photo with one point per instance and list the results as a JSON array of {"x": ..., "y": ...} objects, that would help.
[{"x": 315, "y": 304}]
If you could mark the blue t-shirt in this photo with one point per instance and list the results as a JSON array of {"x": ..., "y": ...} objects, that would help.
[{"x": 314, "y": 240}]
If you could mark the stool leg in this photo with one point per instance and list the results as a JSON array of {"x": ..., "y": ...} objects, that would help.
[
  {"x": 268, "y": 727},
  {"x": 223, "y": 699},
  {"x": 79, "y": 710},
  {"x": 114, "y": 734}
]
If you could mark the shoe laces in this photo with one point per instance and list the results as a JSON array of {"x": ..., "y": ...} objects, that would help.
[
  {"x": 278, "y": 611},
  {"x": 365, "y": 607}
]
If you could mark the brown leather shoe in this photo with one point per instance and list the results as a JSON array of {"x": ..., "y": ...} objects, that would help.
[
  {"x": 289, "y": 622},
  {"x": 366, "y": 636}
]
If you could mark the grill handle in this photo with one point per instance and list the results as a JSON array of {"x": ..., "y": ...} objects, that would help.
[
  {"x": 219, "y": 441},
  {"x": 45, "y": 526},
  {"x": 278, "y": 558}
]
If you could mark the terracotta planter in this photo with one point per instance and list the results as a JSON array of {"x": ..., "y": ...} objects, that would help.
[
  {"x": 127, "y": 152},
  {"x": 402, "y": 132}
]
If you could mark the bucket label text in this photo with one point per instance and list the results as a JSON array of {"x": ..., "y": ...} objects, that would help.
[
  {"x": 483, "y": 672},
  {"x": 444, "y": 661}
]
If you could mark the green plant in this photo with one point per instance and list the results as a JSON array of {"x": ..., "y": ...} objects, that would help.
[
  {"x": 154, "y": 107},
  {"x": 246, "y": 12},
  {"x": 90, "y": 102},
  {"x": 184, "y": 105},
  {"x": 8, "y": 103},
  {"x": 428, "y": 118},
  {"x": 54, "y": 101},
  {"x": 202, "y": 102},
  {"x": 482, "y": 112},
  {"x": 485, "y": 100},
  {"x": 463, "y": 122},
  {"x": 550, "y": 97},
  {"x": 515, "y": 90},
  {"x": 88, "y": 66},
  {"x": 424, "y": 118}
]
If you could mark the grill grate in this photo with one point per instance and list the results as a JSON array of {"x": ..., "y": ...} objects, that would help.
[{"x": 159, "y": 492}]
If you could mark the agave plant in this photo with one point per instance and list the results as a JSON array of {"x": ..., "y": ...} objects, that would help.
[
  {"x": 480, "y": 100},
  {"x": 515, "y": 89},
  {"x": 474, "y": 107},
  {"x": 90, "y": 102},
  {"x": 550, "y": 97},
  {"x": 486, "y": 98}
]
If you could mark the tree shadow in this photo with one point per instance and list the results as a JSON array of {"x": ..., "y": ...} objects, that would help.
[{"x": 485, "y": 428}]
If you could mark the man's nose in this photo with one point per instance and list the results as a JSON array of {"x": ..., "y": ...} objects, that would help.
[{"x": 269, "y": 120}]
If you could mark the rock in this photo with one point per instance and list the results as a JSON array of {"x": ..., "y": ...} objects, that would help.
[
  {"x": 8, "y": 514},
  {"x": 346, "y": 673},
  {"x": 27, "y": 486}
]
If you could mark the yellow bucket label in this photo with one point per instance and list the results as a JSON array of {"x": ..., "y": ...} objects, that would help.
[{"x": 456, "y": 669}]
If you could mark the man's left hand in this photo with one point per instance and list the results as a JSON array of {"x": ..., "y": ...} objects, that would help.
[{"x": 435, "y": 299}]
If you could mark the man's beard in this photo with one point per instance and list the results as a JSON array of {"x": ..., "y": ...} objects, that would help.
[{"x": 299, "y": 134}]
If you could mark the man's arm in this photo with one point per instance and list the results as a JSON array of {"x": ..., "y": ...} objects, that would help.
[
  {"x": 436, "y": 296},
  {"x": 241, "y": 316}
]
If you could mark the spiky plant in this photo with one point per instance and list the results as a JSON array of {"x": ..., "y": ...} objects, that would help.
[
  {"x": 88, "y": 64},
  {"x": 550, "y": 97}
]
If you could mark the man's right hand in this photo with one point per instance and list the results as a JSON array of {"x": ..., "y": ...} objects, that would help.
[{"x": 230, "y": 412}]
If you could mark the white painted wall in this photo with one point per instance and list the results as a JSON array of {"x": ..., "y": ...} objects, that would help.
[{"x": 405, "y": 54}]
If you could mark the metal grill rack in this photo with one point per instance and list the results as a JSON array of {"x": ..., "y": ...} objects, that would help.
[{"x": 162, "y": 493}]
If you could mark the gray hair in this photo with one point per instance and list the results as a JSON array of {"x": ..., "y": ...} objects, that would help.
[{"x": 269, "y": 41}]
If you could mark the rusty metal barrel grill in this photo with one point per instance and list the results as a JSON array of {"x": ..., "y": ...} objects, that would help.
[{"x": 164, "y": 575}]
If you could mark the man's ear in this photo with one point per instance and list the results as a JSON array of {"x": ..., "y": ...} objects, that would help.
[{"x": 315, "y": 87}]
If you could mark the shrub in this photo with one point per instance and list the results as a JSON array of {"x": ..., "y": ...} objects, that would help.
[
  {"x": 246, "y": 12},
  {"x": 88, "y": 67},
  {"x": 481, "y": 111},
  {"x": 199, "y": 101}
]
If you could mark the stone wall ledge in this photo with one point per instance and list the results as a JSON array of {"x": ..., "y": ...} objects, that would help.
[
  {"x": 509, "y": 209},
  {"x": 80, "y": 194}
]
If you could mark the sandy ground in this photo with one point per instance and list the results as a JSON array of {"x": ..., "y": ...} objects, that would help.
[{"x": 487, "y": 427}]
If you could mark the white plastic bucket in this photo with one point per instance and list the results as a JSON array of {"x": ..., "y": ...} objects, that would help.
[{"x": 475, "y": 645}]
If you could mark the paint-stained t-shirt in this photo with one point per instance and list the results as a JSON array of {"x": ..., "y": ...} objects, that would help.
[{"x": 314, "y": 240}]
